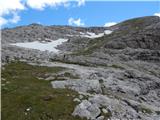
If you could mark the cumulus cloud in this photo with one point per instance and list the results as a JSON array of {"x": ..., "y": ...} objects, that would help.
[
  {"x": 14, "y": 19},
  {"x": 2, "y": 21},
  {"x": 77, "y": 22},
  {"x": 8, "y": 6},
  {"x": 81, "y": 2},
  {"x": 108, "y": 24},
  {"x": 41, "y": 4},
  {"x": 12, "y": 7},
  {"x": 157, "y": 14}
]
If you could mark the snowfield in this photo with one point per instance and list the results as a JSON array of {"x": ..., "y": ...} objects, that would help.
[
  {"x": 42, "y": 46},
  {"x": 107, "y": 32},
  {"x": 92, "y": 35},
  {"x": 51, "y": 45}
]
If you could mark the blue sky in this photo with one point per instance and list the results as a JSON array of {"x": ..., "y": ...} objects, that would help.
[{"x": 92, "y": 13}]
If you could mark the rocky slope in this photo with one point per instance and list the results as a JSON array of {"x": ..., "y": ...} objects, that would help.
[{"x": 118, "y": 67}]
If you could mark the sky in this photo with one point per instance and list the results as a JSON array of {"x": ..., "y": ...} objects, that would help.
[{"x": 76, "y": 13}]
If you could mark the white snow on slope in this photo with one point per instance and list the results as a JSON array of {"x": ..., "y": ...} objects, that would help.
[
  {"x": 109, "y": 24},
  {"x": 107, "y": 32},
  {"x": 47, "y": 46},
  {"x": 93, "y": 35}
]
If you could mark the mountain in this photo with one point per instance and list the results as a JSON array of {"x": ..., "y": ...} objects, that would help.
[{"x": 117, "y": 68}]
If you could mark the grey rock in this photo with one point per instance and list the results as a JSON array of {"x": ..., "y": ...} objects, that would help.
[
  {"x": 100, "y": 118},
  {"x": 86, "y": 109},
  {"x": 79, "y": 85},
  {"x": 58, "y": 84}
]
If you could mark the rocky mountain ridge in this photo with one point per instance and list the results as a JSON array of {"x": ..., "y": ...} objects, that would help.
[{"x": 119, "y": 72}]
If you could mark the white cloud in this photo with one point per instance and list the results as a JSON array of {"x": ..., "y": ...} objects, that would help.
[
  {"x": 15, "y": 18},
  {"x": 41, "y": 4},
  {"x": 81, "y": 2},
  {"x": 2, "y": 21},
  {"x": 12, "y": 7},
  {"x": 108, "y": 24},
  {"x": 77, "y": 22},
  {"x": 7, "y": 6},
  {"x": 157, "y": 14}
]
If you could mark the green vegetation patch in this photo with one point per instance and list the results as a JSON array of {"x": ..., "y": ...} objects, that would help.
[
  {"x": 25, "y": 97},
  {"x": 145, "y": 110},
  {"x": 116, "y": 66},
  {"x": 136, "y": 23},
  {"x": 92, "y": 46}
]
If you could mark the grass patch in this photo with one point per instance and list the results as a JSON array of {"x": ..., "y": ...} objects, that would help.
[
  {"x": 116, "y": 66},
  {"x": 107, "y": 115},
  {"x": 135, "y": 23},
  {"x": 91, "y": 46},
  {"x": 146, "y": 110},
  {"x": 25, "y": 97}
]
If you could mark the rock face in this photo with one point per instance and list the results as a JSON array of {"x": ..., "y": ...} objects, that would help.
[
  {"x": 139, "y": 33},
  {"x": 119, "y": 73}
]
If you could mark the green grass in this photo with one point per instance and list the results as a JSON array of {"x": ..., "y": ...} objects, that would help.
[
  {"x": 145, "y": 110},
  {"x": 91, "y": 46},
  {"x": 107, "y": 115},
  {"x": 135, "y": 24},
  {"x": 116, "y": 66},
  {"x": 22, "y": 90}
]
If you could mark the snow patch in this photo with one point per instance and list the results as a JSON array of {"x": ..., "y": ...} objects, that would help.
[
  {"x": 107, "y": 32},
  {"x": 82, "y": 33},
  {"x": 50, "y": 46},
  {"x": 93, "y": 35},
  {"x": 109, "y": 24}
]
